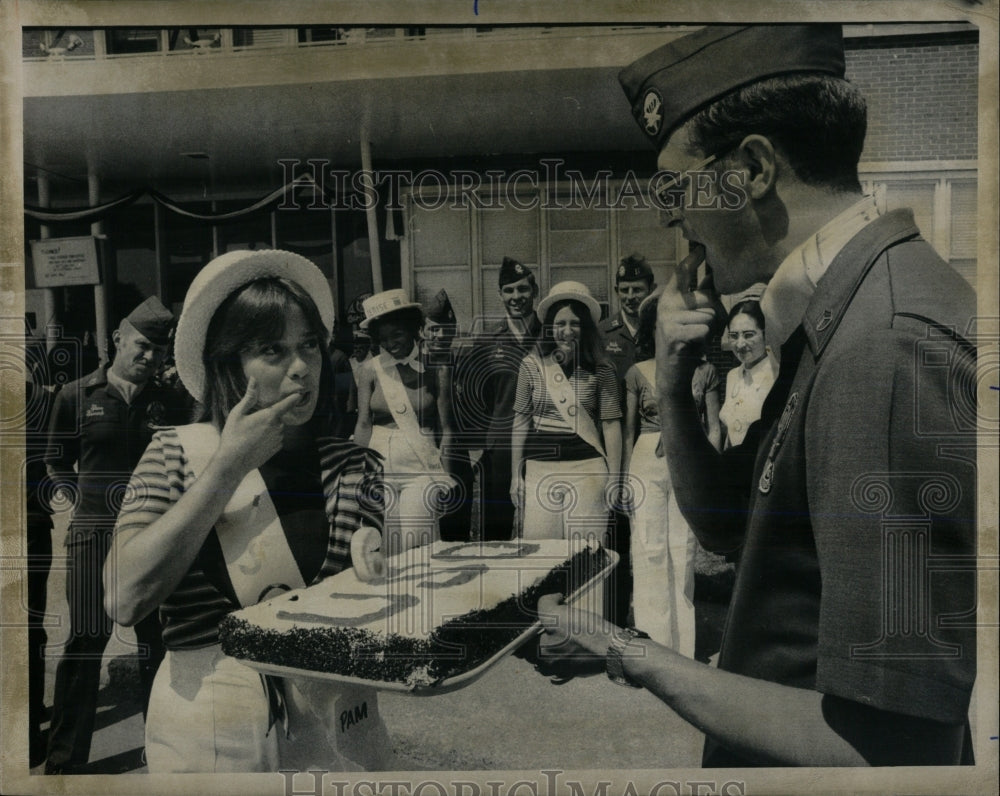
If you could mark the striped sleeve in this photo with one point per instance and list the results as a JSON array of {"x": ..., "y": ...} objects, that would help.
[
  {"x": 528, "y": 382},
  {"x": 191, "y": 614},
  {"x": 607, "y": 393},
  {"x": 352, "y": 485},
  {"x": 156, "y": 483}
]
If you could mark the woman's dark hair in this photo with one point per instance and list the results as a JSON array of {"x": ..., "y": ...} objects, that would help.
[
  {"x": 749, "y": 307},
  {"x": 645, "y": 333},
  {"x": 255, "y": 314},
  {"x": 591, "y": 345},
  {"x": 817, "y": 121},
  {"x": 410, "y": 318}
]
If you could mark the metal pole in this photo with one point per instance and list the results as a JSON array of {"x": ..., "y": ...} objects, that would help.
[
  {"x": 371, "y": 214},
  {"x": 100, "y": 294},
  {"x": 50, "y": 322}
]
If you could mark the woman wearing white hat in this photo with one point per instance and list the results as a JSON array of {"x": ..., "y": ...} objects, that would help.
[
  {"x": 403, "y": 415},
  {"x": 221, "y": 513},
  {"x": 566, "y": 443}
]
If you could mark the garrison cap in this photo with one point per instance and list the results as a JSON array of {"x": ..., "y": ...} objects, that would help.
[
  {"x": 512, "y": 271},
  {"x": 669, "y": 85},
  {"x": 439, "y": 308},
  {"x": 633, "y": 268},
  {"x": 152, "y": 320}
]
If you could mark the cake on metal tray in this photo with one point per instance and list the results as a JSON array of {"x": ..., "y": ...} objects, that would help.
[{"x": 424, "y": 615}]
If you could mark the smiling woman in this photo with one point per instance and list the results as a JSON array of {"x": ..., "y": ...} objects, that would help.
[
  {"x": 221, "y": 513},
  {"x": 404, "y": 415},
  {"x": 566, "y": 440}
]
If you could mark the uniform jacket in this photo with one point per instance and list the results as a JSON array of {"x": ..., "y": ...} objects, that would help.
[
  {"x": 619, "y": 345},
  {"x": 93, "y": 428},
  {"x": 860, "y": 531},
  {"x": 486, "y": 381}
]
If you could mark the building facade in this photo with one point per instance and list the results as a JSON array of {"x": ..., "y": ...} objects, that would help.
[{"x": 415, "y": 157}]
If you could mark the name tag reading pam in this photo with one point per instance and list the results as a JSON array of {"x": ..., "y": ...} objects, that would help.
[{"x": 353, "y": 715}]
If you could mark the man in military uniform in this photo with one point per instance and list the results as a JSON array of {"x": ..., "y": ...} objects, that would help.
[
  {"x": 633, "y": 282},
  {"x": 486, "y": 377},
  {"x": 442, "y": 347},
  {"x": 763, "y": 136},
  {"x": 101, "y": 425}
]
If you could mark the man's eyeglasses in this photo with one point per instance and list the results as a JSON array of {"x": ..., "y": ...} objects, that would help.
[{"x": 672, "y": 192}]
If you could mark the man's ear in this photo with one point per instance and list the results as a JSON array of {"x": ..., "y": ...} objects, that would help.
[
  {"x": 759, "y": 158},
  {"x": 116, "y": 337}
]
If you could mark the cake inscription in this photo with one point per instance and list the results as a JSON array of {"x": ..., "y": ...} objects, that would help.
[{"x": 395, "y": 603}]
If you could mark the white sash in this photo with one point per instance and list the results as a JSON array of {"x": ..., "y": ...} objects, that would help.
[
  {"x": 253, "y": 542},
  {"x": 406, "y": 418},
  {"x": 564, "y": 399}
]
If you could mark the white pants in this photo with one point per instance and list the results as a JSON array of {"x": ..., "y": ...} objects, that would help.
[
  {"x": 412, "y": 511},
  {"x": 208, "y": 713},
  {"x": 565, "y": 499},
  {"x": 663, "y": 552}
]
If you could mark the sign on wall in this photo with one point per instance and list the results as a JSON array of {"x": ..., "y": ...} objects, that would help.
[{"x": 65, "y": 262}]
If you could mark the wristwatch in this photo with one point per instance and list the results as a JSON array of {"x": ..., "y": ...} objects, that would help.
[{"x": 616, "y": 649}]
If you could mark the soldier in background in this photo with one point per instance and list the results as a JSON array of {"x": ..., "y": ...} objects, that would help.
[
  {"x": 442, "y": 347},
  {"x": 100, "y": 426},
  {"x": 487, "y": 380}
]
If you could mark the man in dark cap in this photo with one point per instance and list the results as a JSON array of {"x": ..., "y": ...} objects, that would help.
[
  {"x": 100, "y": 427},
  {"x": 633, "y": 282},
  {"x": 486, "y": 380},
  {"x": 442, "y": 349},
  {"x": 841, "y": 646}
]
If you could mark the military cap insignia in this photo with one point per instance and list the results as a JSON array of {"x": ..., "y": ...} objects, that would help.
[
  {"x": 651, "y": 115},
  {"x": 621, "y": 271},
  {"x": 518, "y": 268},
  {"x": 155, "y": 414}
]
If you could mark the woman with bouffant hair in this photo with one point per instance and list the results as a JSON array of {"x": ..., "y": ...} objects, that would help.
[{"x": 255, "y": 498}]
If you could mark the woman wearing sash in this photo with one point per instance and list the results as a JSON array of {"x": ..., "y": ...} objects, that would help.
[
  {"x": 403, "y": 415},
  {"x": 566, "y": 443},
  {"x": 663, "y": 548},
  {"x": 220, "y": 514}
]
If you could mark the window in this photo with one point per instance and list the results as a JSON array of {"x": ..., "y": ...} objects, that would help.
[{"x": 125, "y": 41}]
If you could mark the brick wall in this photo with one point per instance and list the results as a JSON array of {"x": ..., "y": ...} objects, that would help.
[{"x": 922, "y": 96}]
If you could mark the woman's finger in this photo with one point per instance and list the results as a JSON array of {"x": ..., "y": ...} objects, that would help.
[
  {"x": 285, "y": 405},
  {"x": 249, "y": 400}
]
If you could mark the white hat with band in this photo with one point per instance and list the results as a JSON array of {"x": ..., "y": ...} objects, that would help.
[
  {"x": 577, "y": 291},
  {"x": 383, "y": 303},
  {"x": 222, "y": 277}
]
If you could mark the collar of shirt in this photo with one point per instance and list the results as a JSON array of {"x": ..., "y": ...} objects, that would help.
[
  {"x": 413, "y": 360},
  {"x": 632, "y": 330},
  {"x": 755, "y": 376},
  {"x": 126, "y": 388},
  {"x": 787, "y": 295}
]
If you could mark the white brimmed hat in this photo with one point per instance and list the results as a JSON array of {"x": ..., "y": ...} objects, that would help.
[
  {"x": 383, "y": 303},
  {"x": 220, "y": 279},
  {"x": 570, "y": 290}
]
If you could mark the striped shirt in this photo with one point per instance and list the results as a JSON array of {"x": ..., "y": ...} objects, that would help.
[
  {"x": 351, "y": 481},
  {"x": 596, "y": 392}
]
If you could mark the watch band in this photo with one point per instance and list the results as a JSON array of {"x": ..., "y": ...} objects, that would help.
[{"x": 616, "y": 649}]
